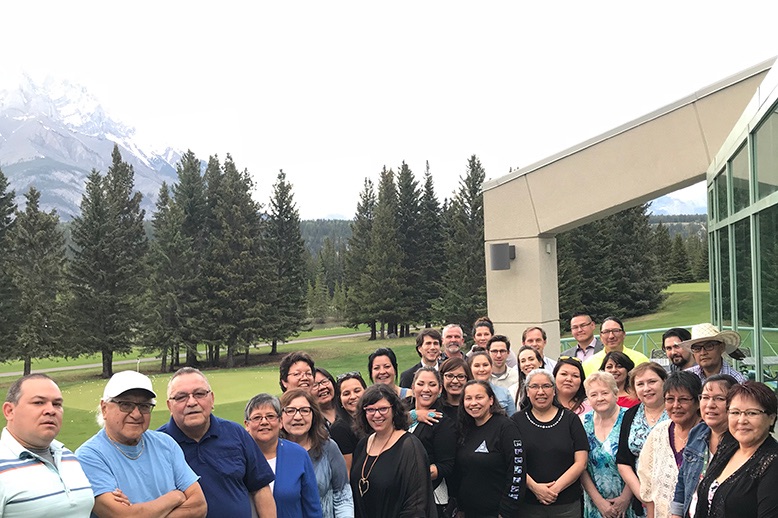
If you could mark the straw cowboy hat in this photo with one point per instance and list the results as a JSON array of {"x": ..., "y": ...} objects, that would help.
[{"x": 708, "y": 332}]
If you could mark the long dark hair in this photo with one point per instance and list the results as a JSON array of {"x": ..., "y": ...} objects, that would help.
[
  {"x": 465, "y": 422},
  {"x": 580, "y": 395},
  {"x": 622, "y": 360},
  {"x": 374, "y": 393},
  {"x": 382, "y": 351},
  {"x": 521, "y": 390},
  {"x": 353, "y": 375},
  {"x": 449, "y": 365}
]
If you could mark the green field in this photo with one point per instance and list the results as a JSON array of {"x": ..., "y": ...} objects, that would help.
[{"x": 686, "y": 304}]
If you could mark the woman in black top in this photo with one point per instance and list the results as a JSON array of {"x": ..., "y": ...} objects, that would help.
[
  {"x": 439, "y": 437},
  {"x": 455, "y": 373},
  {"x": 390, "y": 473},
  {"x": 557, "y": 451},
  {"x": 742, "y": 478},
  {"x": 489, "y": 472},
  {"x": 343, "y": 431}
]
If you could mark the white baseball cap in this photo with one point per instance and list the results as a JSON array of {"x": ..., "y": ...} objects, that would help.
[{"x": 123, "y": 381}]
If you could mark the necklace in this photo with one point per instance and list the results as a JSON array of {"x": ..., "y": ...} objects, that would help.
[
  {"x": 364, "y": 483},
  {"x": 651, "y": 420},
  {"x": 121, "y": 450},
  {"x": 559, "y": 416}
]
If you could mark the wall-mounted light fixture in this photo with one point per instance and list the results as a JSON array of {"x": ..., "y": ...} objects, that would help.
[{"x": 501, "y": 255}]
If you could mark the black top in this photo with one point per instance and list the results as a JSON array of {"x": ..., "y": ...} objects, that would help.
[
  {"x": 342, "y": 432},
  {"x": 624, "y": 455},
  {"x": 489, "y": 473},
  {"x": 448, "y": 410},
  {"x": 398, "y": 485},
  {"x": 551, "y": 448},
  {"x": 440, "y": 443},
  {"x": 750, "y": 491}
]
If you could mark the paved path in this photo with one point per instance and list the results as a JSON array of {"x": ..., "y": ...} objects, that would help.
[{"x": 147, "y": 360}]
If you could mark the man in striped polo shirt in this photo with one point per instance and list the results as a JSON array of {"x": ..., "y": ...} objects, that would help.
[{"x": 39, "y": 477}]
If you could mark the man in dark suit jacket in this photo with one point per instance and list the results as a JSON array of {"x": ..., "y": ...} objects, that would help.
[
  {"x": 583, "y": 328},
  {"x": 428, "y": 348}
]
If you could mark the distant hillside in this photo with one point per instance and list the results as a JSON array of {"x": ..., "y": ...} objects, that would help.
[
  {"x": 316, "y": 231},
  {"x": 684, "y": 224}
]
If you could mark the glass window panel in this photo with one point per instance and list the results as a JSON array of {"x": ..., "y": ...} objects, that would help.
[
  {"x": 740, "y": 183},
  {"x": 721, "y": 195},
  {"x": 768, "y": 259},
  {"x": 744, "y": 295},
  {"x": 711, "y": 199},
  {"x": 766, "y": 156},
  {"x": 726, "y": 305},
  {"x": 714, "y": 285}
]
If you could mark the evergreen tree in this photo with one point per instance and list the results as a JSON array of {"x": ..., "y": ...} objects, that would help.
[
  {"x": 430, "y": 253},
  {"x": 636, "y": 281},
  {"x": 108, "y": 263},
  {"x": 170, "y": 262},
  {"x": 698, "y": 257},
  {"x": 570, "y": 280},
  {"x": 238, "y": 270},
  {"x": 331, "y": 260},
  {"x": 359, "y": 245},
  {"x": 285, "y": 315},
  {"x": 381, "y": 280},
  {"x": 463, "y": 297},
  {"x": 662, "y": 246},
  {"x": 679, "y": 265},
  {"x": 413, "y": 300},
  {"x": 8, "y": 294},
  {"x": 36, "y": 267},
  {"x": 213, "y": 183},
  {"x": 318, "y": 300},
  {"x": 190, "y": 199}
]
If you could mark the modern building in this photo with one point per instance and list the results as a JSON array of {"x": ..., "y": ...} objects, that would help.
[{"x": 726, "y": 133}]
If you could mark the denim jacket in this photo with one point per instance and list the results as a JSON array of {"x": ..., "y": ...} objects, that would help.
[
  {"x": 689, "y": 474},
  {"x": 691, "y": 468}
]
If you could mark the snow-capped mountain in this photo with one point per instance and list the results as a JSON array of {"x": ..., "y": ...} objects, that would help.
[{"x": 52, "y": 134}]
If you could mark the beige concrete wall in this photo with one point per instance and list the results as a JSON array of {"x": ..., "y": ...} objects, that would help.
[{"x": 642, "y": 160}]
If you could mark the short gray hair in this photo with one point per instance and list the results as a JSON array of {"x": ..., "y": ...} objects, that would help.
[
  {"x": 603, "y": 377},
  {"x": 183, "y": 371},
  {"x": 261, "y": 400},
  {"x": 538, "y": 372}
]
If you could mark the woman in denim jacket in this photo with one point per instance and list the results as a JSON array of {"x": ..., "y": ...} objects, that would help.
[{"x": 704, "y": 440}]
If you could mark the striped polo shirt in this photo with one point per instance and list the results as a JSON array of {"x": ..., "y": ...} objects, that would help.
[{"x": 32, "y": 487}]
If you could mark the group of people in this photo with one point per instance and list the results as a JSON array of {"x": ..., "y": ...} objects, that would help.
[{"x": 599, "y": 431}]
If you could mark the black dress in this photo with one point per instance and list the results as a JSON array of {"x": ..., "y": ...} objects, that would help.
[{"x": 399, "y": 482}]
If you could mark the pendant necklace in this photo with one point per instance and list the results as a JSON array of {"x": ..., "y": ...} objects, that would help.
[{"x": 364, "y": 483}]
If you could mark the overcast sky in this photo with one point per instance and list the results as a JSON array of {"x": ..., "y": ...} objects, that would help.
[{"x": 333, "y": 91}]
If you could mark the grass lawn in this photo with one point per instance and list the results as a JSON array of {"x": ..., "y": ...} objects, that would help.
[
  {"x": 686, "y": 304},
  {"x": 232, "y": 387}
]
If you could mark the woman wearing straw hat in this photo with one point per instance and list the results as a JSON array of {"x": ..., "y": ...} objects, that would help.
[{"x": 708, "y": 345}]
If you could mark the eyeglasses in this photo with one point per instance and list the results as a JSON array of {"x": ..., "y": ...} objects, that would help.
[
  {"x": 382, "y": 410},
  {"x": 182, "y": 397},
  {"x": 544, "y": 386},
  {"x": 570, "y": 358},
  {"x": 611, "y": 331},
  {"x": 321, "y": 383},
  {"x": 305, "y": 411},
  {"x": 270, "y": 418},
  {"x": 300, "y": 374},
  {"x": 581, "y": 326},
  {"x": 750, "y": 414},
  {"x": 452, "y": 377},
  {"x": 129, "y": 407},
  {"x": 348, "y": 375},
  {"x": 708, "y": 346},
  {"x": 716, "y": 399},
  {"x": 682, "y": 400},
  {"x": 498, "y": 351}
]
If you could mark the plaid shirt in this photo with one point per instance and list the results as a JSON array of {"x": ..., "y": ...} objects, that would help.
[{"x": 725, "y": 369}]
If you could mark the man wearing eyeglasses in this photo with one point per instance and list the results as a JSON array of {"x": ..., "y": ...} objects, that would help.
[
  {"x": 708, "y": 346},
  {"x": 135, "y": 471},
  {"x": 232, "y": 469},
  {"x": 612, "y": 335},
  {"x": 582, "y": 327}
]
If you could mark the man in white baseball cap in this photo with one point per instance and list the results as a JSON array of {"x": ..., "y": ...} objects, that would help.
[
  {"x": 708, "y": 345},
  {"x": 127, "y": 462}
]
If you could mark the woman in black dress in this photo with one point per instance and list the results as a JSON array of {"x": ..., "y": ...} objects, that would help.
[
  {"x": 390, "y": 473},
  {"x": 557, "y": 451}
]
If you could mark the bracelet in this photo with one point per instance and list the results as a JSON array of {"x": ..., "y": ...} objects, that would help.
[{"x": 414, "y": 416}]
